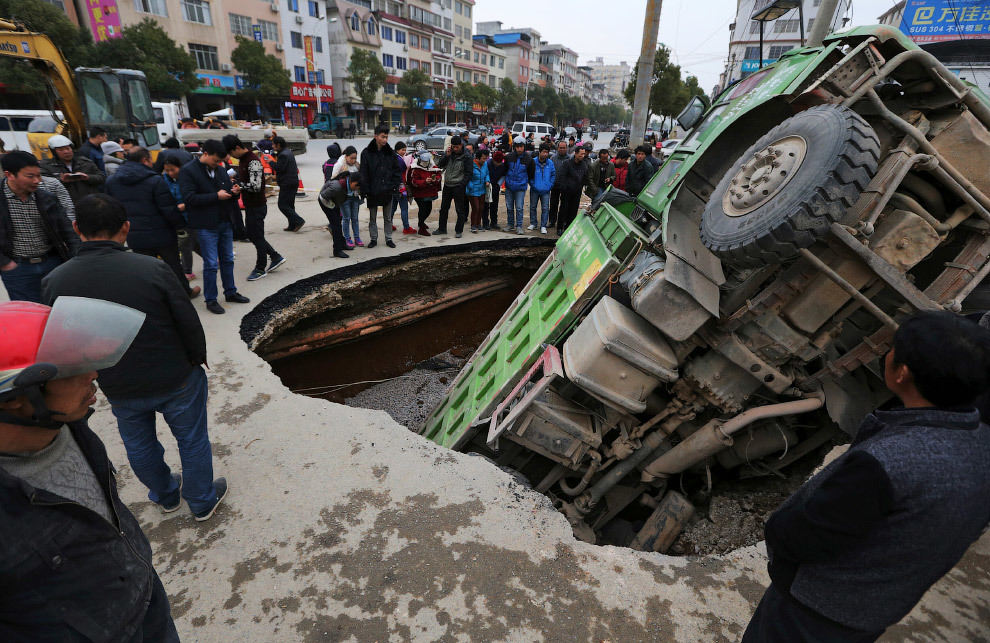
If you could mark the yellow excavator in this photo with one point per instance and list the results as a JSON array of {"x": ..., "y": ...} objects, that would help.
[{"x": 117, "y": 100}]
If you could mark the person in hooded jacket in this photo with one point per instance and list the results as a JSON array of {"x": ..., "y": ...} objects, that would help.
[
  {"x": 333, "y": 195},
  {"x": 544, "y": 177},
  {"x": 496, "y": 174},
  {"x": 477, "y": 185},
  {"x": 152, "y": 210},
  {"x": 423, "y": 181},
  {"x": 381, "y": 174},
  {"x": 518, "y": 174},
  {"x": 113, "y": 157},
  {"x": 333, "y": 153}
]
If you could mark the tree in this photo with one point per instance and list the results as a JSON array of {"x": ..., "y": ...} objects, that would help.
[
  {"x": 510, "y": 98},
  {"x": 366, "y": 74},
  {"x": 666, "y": 86},
  {"x": 264, "y": 75},
  {"x": 465, "y": 93},
  {"x": 415, "y": 87},
  {"x": 487, "y": 97},
  {"x": 170, "y": 69},
  {"x": 76, "y": 44}
]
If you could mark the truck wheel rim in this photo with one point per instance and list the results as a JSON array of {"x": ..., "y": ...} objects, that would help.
[{"x": 760, "y": 179}]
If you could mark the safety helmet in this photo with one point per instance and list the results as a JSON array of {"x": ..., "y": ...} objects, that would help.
[
  {"x": 519, "y": 140},
  {"x": 425, "y": 158},
  {"x": 58, "y": 141},
  {"x": 76, "y": 335}
]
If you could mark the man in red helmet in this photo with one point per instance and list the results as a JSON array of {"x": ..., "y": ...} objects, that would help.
[{"x": 74, "y": 563}]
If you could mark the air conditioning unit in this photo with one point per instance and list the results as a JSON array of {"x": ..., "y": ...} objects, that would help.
[
  {"x": 274, "y": 7},
  {"x": 390, "y": 71},
  {"x": 279, "y": 47},
  {"x": 225, "y": 67},
  {"x": 405, "y": 47},
  {"x": 299, "y": 20}
]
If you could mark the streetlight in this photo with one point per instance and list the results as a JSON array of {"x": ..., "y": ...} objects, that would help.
[{"x": 775, "y": 10}]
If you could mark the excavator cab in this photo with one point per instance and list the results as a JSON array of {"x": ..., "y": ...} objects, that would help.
[{"x": 118, "y": 100}]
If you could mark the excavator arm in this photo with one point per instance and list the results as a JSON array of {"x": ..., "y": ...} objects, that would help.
[{"x": 17, "y": 42}]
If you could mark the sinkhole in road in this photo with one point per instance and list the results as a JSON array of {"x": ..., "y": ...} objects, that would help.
[{"x": 392, "y": 333}]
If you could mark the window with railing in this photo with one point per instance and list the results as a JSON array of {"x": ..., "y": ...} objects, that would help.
[
  {"x": 296, "y": 40},
  {"x": 241, "y": 25},
  {"x": 196, "y": 11},
  {"x": 206, "y": 56},
  {"x": 269, "y": 30}
]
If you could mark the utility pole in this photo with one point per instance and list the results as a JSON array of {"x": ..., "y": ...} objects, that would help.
[
  {"x": 823, "y": 20},
  {"x": 644, "y": 72}
]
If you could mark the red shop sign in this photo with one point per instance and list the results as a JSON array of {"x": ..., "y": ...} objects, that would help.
[{"x": 307, "y": 92}]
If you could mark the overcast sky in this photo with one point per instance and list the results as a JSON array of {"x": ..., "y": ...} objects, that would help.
[{"x": 696, "y": 30}]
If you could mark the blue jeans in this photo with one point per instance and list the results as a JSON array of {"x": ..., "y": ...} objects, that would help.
[
  {"x": 543, "y": 199},
  {"x": 403, "y": 205},
  {"x": 217, "y": 248},
  {"x": 514, "y": 199},
  {"x": 23, "y": 283},
  {"x": 349, "y": 217},
  {"x": 184, "y": 410}
]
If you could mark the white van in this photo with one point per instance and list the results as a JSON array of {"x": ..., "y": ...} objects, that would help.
[
  {"x": 15, "y": 124},
  {"x": 523, "y": 128}
]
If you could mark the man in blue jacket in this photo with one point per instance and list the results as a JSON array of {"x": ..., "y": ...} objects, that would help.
[
  {"x": 544, "y": 176},
  {"x": 152, "y": 210},
  {"x": 209, "y": 195},
  {"x": 518, "y": 174},
  {"x": 858, "y": 545}
]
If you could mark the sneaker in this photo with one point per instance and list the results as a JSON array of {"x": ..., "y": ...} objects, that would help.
[
  {"x": 348, "y": 243},
  {"x": 194, "y": 292},
  {"x": 531, "y": 227},
  {"x": 440, "y": 231},
  {"x": 372, "y": 243},
  {"x": 543, "y": 230},
  {"x": 424, "y": 231},
  {"x": 457, "y": 235},
  {"x": 389, "y": 243},
  {"x": 215, "y": 307},
  {"x": 256, "y": 275},
  {"x": 341, "y": 255},
  {"x": 275, "y": 263},
  {"x": 190, "y": 276},
  {"x": 174, "y": 501},
  {"x": 358, "y": 242},
  {"x": 474, "y": 229},
  {"x": 409, "y": 231},
  {"x": 509, "y": 228},
  {"x": 221, "y": 487},
  {"x": 519, "y": 230},
  {"x": 237, "y": 298},
  {"x": 393, "y": 228}
]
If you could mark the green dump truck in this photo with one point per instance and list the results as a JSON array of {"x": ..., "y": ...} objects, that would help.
[{"x": 730, "y": 319}]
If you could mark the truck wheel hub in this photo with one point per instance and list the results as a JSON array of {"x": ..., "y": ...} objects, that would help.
[{"x": 764, "y": 175}]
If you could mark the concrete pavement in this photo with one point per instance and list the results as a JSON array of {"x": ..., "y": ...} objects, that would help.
[{"x": 342, "y": 525}]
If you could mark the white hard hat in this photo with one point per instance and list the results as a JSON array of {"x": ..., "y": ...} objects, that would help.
[
  {"x": 58, "y": 141},
  {"x": 519, "y": 140},
  {"x": 267, "y": 133}
]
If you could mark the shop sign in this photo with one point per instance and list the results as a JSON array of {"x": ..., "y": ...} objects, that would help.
[
  {"x": 214, "y": 84},
  {"x": 393, "y": 102},
  {"x": 103, "y": 19},
  {"x": 308, "y": 48},
  {"x": 304, "y": 91}
]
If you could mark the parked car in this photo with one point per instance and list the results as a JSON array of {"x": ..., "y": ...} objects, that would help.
[
  {"x": 667, "y": 147},
  {"x": 435, "y": 138}
]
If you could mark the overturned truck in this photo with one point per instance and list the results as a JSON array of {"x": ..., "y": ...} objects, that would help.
[{"x": 732, "y": 317}]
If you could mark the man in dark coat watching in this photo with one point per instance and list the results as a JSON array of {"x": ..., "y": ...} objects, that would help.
[
  {"x": 74, "y": 563},
  {"x": 209, "y": 195},
  {"x": 573, "y": 176},
  {"x": 152, "y": 211},
  {"x": 287, "y": 178},
  {"x": 162, "y": 371},
  {"x": 92, "y": 147},
  {"x": 640, "y": 172},
  {"x": 35, "y": 234},
  {"x": 172, "y": 153},
  {"x": 858, "y": 545},
  {"x": 381, "y": 175}
]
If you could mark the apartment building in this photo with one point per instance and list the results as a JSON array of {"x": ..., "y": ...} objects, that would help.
[
  {"x": 521, "y": 48},
  {"x": 561, "y": 67},
  {"x": 352, "y": 26},
  {"x": 779, "y": 35},
  {"x": 307, "y": 57},
  {"x": 612, "y": 78},
  {"x": 395, "y": 58}
]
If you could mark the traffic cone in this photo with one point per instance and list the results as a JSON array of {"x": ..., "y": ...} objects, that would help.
[{"x": 302, "y": 190}]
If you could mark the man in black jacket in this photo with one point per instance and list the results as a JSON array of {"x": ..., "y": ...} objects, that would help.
[
  {"x": 381, "y": 176},
  {"x": 558, "y": 159},
  {"x": 78, "y": 174},
  {"x": 251, "y": 178},
  {"x": 35, "y": 234},
  {"x": 857, "y": 546},
  {"x": 640, "y": 172},
  {"x": 152, "y": 211},
  {"x": 209, "y": 196},
  {"x": 173, "y": 153},
  {"x": 287, "y": 177},
  {"x": 92, "y": 148},
  {"x": 458, "y": 165},
  {"x": 574, "y": 172},
  {"x": 161, "y": 372},
  {"x": 74, "y": 564}
]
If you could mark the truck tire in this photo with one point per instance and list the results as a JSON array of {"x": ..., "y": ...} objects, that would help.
[
  {"x": 318, "y": 133},
  {"x": 786, "y": 189}
]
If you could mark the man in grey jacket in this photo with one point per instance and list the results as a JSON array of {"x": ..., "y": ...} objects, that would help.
[
  {"x": 856, "y": 547},
  {"x": 558, "y": 159}
]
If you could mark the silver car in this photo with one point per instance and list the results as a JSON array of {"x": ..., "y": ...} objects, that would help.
[{"x": 436, "y": 138}]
